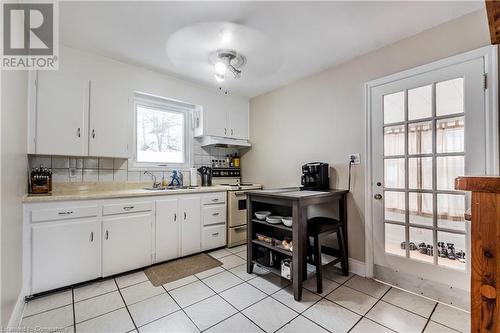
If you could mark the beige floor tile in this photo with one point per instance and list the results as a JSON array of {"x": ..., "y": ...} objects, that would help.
[
  {"x": 114, "y": 322},
  {"x": 457, "y": 319},
  {"x": 191, "y": 293},
  {"x": 231, "y": 261},
  {"x": 365, "y": 325},
  {"x": 58, "y": 317},
  {"x": 328, "y": 285},
  {"x": 433, "y": 327},
  {"x": 140, "y": 291},
  {"x": 396, "y": 318},
  {"x": 353, "y": 300},
  {"x": 301, "y": 325},
  {"x": 152, "y": 308},
  {"x": 209, "y": 312},
  {"x": 411, "y": 302},
  {"x": 235, "y": 324},
  {"x": 269, "y": 283},
  {"x": 130, "y": 279},
  {"x": 222, "y": 281},
  {"x": 285, "y": 296},
  {"x": 367, "y": 286},
  {"x": 243, "y": 295},
  {"x": 48, "y": 302},
  {"x": 99, "y": 305},
  {"x": 174, "y": 323},
  {"x": 269, "y": 314},
  {"x": 94, "y": 289},
  {"x": 331, "y": 316}
]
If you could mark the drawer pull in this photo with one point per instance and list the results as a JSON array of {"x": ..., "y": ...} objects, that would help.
[
  {"x": 215, "y": 234},
  {"x": 215, "y": 214},
  {"x": 128, "y": 207},
  {"x": 239, "y": 228},
  {"x": 68, "y": 212},
  {"x": 215, "y": 199}
]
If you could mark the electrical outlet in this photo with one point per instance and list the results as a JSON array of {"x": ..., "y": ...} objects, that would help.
[{"x": 354, "y": 158}]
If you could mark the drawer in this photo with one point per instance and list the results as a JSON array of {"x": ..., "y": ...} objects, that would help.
[
  {"x": 62, "y": 213},
  {"x": 213, "y": 236},
  {"x": 214, "y": 198},
  {"x": 127, "y": 207},
  {"x": 237, "y": 235},
  {"x": 214, "y": 214}
]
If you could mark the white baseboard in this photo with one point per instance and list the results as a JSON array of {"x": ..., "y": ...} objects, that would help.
[
  {"x": 17, "y": 313},
  {"x": 357, "y": 267}
]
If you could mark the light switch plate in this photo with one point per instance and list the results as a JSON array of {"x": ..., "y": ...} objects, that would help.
[{"x": 355, "y": 158}]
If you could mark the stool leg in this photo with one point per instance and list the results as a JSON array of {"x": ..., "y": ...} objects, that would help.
[
  {"x": 317, "y": 262},
  {"x": 343, "y": 251}
]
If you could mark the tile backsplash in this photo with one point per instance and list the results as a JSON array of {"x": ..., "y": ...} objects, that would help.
[{"x": 93, "y": 169}]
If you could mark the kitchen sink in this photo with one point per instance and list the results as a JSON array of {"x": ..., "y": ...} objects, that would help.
[{"x": 171, "y": 188}]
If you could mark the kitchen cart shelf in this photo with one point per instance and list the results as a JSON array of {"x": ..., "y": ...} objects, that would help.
[
  {"x": 277, "y": 226},
  {"x": 270, "y": 269},
  {"x": 272, "y": 247}
]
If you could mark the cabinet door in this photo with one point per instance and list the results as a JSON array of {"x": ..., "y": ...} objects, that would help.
[
  {"x": 215, "y": 120},
  {"x": 61, "y": 114},
  {"x": 127, "y": 243},
  {"x": 238, "y": 123},
  {"x": 64, "y": 253},
  {"x": 190, "y": 214},
  {"x": 109, "y": 129},
  {"x": 167, "y": 230}
]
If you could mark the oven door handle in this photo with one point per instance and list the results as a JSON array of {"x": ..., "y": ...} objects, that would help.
[
  {"x": 239, "y": 193},
  {"x": 240, "y": 227}
]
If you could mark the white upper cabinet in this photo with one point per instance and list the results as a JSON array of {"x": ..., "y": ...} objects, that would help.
[
  {"x": 225, "y": 118},
  {"x": 61, "y": 114},
  {"x": 109, "y": 128},
  {"x": 79, "y": 117},
  {"x": 237, "y": 121}
]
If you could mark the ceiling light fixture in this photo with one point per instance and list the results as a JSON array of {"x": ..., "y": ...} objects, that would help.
[{"x": 228, "y": 60}]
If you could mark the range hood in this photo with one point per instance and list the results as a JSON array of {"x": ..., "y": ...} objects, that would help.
[{"x": 217, "y": 141}]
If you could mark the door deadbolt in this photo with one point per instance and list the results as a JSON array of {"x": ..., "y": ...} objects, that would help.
[{"x": 378, "y": 196}]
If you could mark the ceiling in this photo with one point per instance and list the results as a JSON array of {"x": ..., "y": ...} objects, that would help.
[{"x": 307, "y": 37}]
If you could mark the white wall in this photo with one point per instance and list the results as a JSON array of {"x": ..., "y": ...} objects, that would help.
[
  {"x": 13, "y": 183},
  {"x": 321, "y": 117}
]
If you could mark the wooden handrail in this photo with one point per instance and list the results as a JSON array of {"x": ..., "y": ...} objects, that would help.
[{"x": 485, "y": 251}]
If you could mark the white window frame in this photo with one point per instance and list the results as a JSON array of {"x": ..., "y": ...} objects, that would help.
[{"x": 175, "y": 106}]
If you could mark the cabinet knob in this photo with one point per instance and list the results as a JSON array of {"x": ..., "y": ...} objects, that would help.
[{"x": 378, "y": 196}]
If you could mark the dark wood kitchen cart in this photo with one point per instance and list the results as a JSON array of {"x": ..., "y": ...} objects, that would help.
[
  {"x": 288, "y": 202},
  {"x": 485, "y": 251}
]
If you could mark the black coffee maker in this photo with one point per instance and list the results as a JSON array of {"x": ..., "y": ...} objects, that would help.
[{"x": 315, "y": 176}]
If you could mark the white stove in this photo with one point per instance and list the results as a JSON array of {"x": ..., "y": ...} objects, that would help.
[{"x": 236, "y": 204}]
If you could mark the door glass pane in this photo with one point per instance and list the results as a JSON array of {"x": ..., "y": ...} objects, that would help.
[
  {"x": 451, "y": 210},
  {"x": 452, "y": 250},
  {"x": 394, "y": 108},
  {"x": 450, "y": 97},
  {"x": 420, "y": 102},
  {"x": 395, "y": 206},
  {"x": 394, "y": 172},
  {"x": 420, "y": 208},
  {"x": 395, "y": 239},
  {"x": 450, "y": 135},
  {"x": 421, "y": 245},
  {"x": 394, "y": 140},
  {"x": 420, "y": 138},
  {"x": 420, "y": 173},
  {"x": 449, "y": 168}
]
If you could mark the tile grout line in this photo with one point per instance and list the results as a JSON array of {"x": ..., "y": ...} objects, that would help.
[
  {"x": 429, "y": 319},
  {"x": 364, "y": 316},
  {"x": 126, "y": 307},
  {"x": 74, "y": 312},
  {"x": 181, "y": 309}
]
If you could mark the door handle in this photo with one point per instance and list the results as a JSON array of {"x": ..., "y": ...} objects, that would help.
[
  {"x": 91, "y": 236},
  {"x": 378, "y": 196},
  {"x": 107, "y": 235}
]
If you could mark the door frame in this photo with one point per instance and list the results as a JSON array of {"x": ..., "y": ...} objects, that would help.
[{"x": 490, "y": 56}]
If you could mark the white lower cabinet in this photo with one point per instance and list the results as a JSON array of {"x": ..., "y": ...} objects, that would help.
[
  {"x": 64, "y": 253},
  {"x": 72, "y": 242},
  {"x": 127, "y": 242},
  {"x": 168, "y": 230},
  {"x": 190, "y": 209}
]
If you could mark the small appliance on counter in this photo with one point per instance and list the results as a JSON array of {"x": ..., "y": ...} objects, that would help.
[
  {"x": 315, "y": 176},
  {"x": 206, "y": 175},
  {"x": 40, "y": 180}
]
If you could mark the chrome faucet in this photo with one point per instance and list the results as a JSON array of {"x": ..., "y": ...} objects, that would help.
[{"x": 155, "y": 183}]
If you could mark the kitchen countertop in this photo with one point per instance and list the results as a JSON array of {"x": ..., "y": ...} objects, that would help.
[{"x": 89, "y": 192}]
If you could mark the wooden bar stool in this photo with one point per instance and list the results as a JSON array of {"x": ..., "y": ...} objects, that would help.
[{"x": 318, "y": 228}]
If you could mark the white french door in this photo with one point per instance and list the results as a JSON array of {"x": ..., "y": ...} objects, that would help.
[{"x": 426, "y": 130}]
